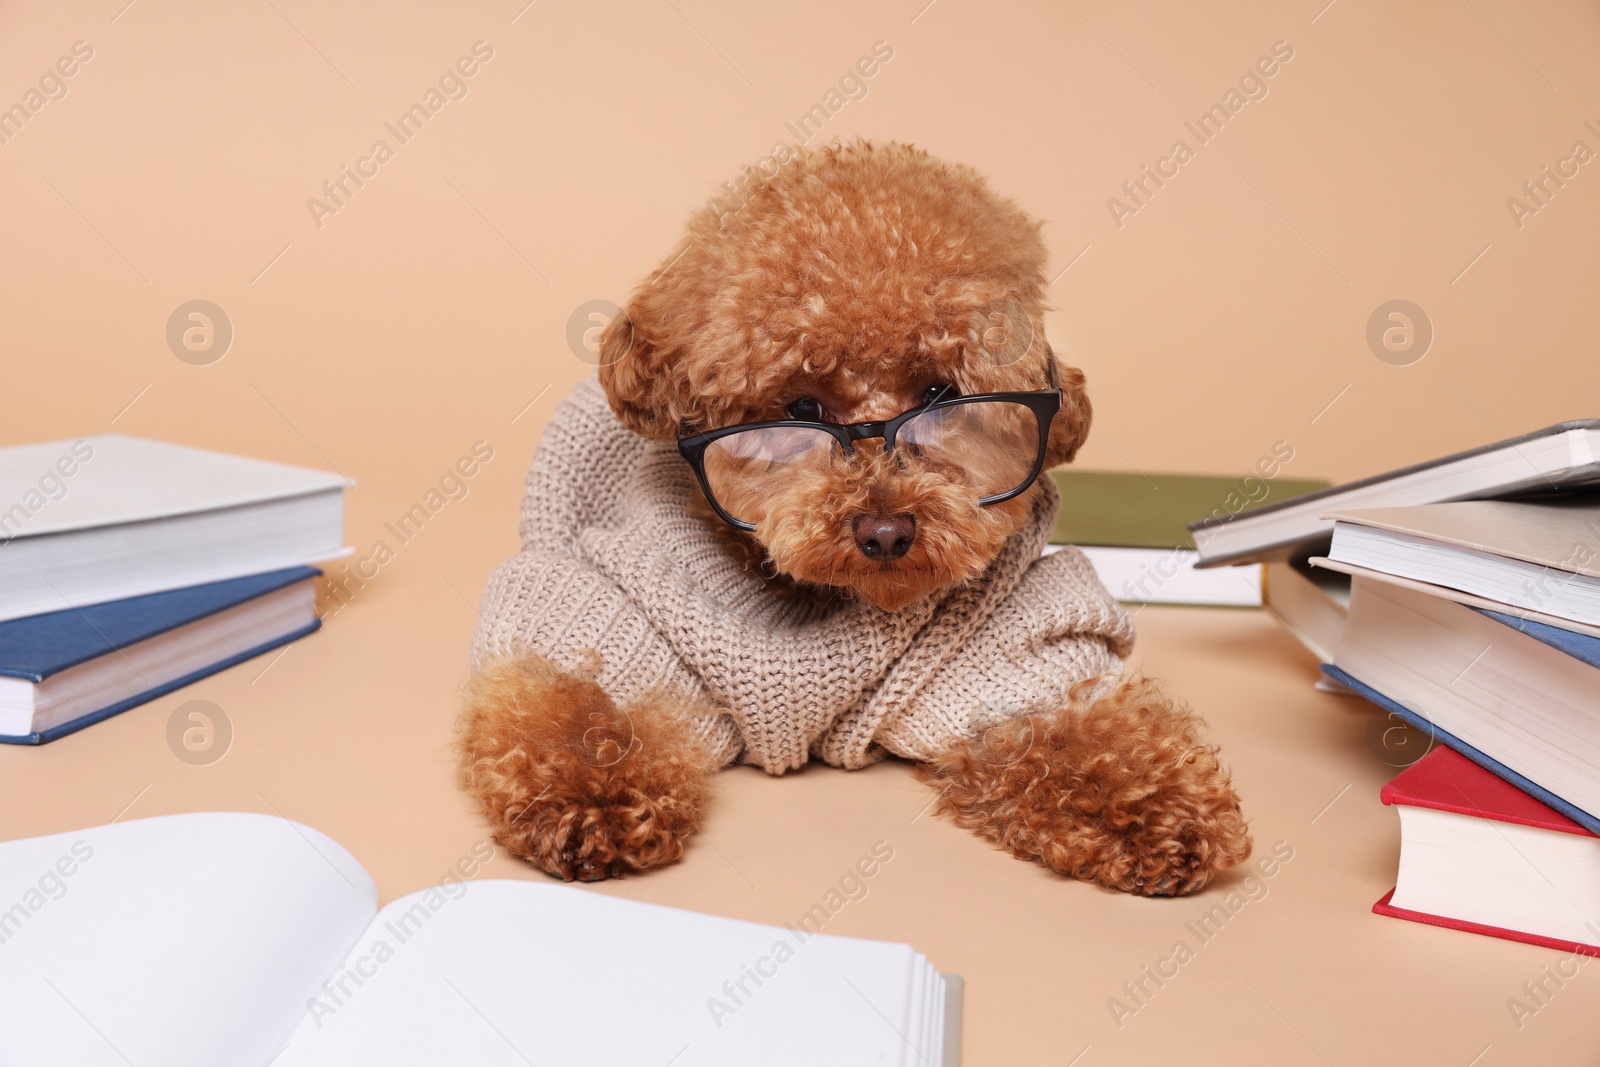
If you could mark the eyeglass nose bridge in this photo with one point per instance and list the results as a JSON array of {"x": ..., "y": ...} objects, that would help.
[{"x": 864, "y": 431}]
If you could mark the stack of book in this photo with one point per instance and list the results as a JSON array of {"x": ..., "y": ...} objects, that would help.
[
  {"x": 1134, "y": 530},
  {"x": 1472, "y": 613},
  {"x": 1282, "y": 535},
  {"x": 1479, "y": 623},
  {"x": 130, "y": 567}
]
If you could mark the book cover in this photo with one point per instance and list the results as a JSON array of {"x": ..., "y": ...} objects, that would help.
[
  {"x": 1446, "y": 780},
  {"x": 1383, "y": 907},
  {"x": 1579, "y": 646},
  {"x": 38, "y": 646},
  {"x": 1563, "y": 456},
  {"x": 1134, "y": 510},
  {"x": 58, "y": 486}
]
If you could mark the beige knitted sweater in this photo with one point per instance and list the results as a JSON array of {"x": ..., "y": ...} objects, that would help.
[{"x": 613, "y": 560}]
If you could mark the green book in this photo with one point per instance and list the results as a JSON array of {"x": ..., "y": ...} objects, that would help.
[{"x": 1133, "y": 510}]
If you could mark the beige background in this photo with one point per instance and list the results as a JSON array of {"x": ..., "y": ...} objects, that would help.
[{"x": 431, "y": 311}]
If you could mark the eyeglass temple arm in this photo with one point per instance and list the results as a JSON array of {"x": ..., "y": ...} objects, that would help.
[{"x": 1051, "y": 372}]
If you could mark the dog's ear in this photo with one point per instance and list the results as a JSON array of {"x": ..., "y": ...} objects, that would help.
[
  {"x": 636, "y": 371},
  {"x": 1071, "y": 426}
]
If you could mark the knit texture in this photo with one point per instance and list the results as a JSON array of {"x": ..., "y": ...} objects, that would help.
[{"x": 614, "y": 560}]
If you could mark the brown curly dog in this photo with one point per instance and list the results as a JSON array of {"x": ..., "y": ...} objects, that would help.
[{"x": 851, "y": 358}]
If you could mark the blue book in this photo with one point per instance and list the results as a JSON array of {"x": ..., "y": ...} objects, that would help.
[
  {"x": 1580, "y": 647},
  {"x": 1493, "y": 766},
  {"x": 69, "y": 669}
]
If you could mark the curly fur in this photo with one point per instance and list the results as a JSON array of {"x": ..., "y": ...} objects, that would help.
[
  {"x": 1121, "y": 791},
  {"x": 808, "y": 530},
  {"x": 858, "y": 275},
  {"x": 580, "y": 788},
  {"x": 874, "y": 265},
  {"x": 860, "y": 261}
]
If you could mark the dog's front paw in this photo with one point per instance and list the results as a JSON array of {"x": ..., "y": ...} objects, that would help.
[
  {"x": 1122, "y": 793},
  {"x": 593, "y": 835},
  {"x": 573, "y": 784},
  {"x": 1155, "y": 847}
]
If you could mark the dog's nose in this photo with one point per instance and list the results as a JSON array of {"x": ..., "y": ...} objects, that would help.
[{"x": 885, "y": 536}]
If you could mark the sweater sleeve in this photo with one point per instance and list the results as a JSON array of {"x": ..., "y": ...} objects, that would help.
[
  {"x": 549, "y": 599},
  {"x": 1057, "y": 628}
]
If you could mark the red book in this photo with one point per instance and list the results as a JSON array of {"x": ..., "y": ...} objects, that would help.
[{"x": 1478, "y": 854}]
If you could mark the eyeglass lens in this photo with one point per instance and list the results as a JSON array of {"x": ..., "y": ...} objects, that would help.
[{"x": 989, "y": 446}]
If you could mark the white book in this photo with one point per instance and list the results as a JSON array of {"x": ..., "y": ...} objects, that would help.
[
  {"x": 1525, "y": 556},
  {"x": 1498, "y": 874},
  {"x": 1169, "y": 576},
  {"x": 1312, "y": 604},
  {"x": 1519, "y": 693},
  {"x": 1562, "y": 457},
  {"x": 219, "y": 939},
  {"x": 102, "y": 518}
]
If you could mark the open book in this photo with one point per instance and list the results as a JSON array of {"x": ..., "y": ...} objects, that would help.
[{"x": 218, "y": 939}]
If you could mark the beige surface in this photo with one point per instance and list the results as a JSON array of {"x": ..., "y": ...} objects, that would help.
[{"x": 431, "y": 312}]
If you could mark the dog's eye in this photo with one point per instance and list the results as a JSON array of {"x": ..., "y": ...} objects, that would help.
[
  {"x": 808, "y": 408},
  {"x": 939, "y": 391}
]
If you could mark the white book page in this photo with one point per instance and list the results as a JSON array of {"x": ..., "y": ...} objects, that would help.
[
  {"x": 511, "y": 973},
  {"x": 180, "y": 940}
]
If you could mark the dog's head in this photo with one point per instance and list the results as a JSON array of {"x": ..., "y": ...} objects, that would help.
[{"x": 855, "y": 284}]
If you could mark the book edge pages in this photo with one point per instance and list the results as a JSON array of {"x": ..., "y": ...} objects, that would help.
[
  {"x": 954, "y": 993},
  {"x": 1476, "y": 755},
  {"x": 1371, "y": 519},
  {"x": 1289, "y": 588},
  {"x": 334, "y": 487},
  {"x": 1457, "y": 596},
  {"x": 52, "y": 733}
]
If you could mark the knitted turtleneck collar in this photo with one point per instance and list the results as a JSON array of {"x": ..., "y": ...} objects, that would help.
[{"x": 614, "y": 560}]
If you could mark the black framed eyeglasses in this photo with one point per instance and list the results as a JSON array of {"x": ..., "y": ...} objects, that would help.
[{"x": 993, "y": 443}]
